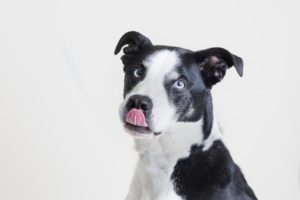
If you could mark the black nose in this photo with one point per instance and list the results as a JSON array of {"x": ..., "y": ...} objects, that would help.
[{"x": 143, "y": 103}]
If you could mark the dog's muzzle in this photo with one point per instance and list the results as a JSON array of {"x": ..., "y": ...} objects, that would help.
[{"x": 137, "y": 114}]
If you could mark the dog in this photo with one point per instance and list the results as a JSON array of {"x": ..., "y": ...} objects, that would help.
[{"x": 168, "y": 110}]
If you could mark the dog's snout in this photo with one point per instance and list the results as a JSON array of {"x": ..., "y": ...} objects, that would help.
[{"x": 143, "y": 103}]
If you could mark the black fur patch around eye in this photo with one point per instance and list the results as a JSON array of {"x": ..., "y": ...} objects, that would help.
[
  {"x": 194, "y": 101},
  {"x": 130, "y": 81}
]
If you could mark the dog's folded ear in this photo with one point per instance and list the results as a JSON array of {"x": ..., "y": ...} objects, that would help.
[
  {"x": 135, "y": 41},
  {"x": 214, "y": 62}
]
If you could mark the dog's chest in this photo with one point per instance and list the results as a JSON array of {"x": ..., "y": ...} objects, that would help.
[
  {"x": 155, "y": 174},
  {"x": 157, "y": 159}
]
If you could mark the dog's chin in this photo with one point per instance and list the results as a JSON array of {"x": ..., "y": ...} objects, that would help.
[{"x": 139, "y": 132}]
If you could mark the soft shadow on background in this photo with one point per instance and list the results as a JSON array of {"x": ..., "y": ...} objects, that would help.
[{"x": 61, "y": 85}]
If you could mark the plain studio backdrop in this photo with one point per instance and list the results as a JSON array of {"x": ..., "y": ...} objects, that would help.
[{"x": 61, "y": 86}]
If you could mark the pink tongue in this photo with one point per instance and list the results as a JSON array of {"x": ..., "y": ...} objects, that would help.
[{"x": 136, "y": 117}]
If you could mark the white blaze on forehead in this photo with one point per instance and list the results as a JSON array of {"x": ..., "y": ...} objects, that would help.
[{"x": 159, "y": 65}]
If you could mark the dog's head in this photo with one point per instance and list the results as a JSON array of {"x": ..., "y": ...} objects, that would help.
[{"x": 164, "y": 85}]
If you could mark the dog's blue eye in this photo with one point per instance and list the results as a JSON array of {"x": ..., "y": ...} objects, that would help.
[
  {"x": 179, "y": 84},
  {"x": 138, "y": 72}
]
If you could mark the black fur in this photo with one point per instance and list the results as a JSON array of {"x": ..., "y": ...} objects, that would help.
[
  {"x": 135, "y": 41},
  {"x": 214, "y": 62},
  {"x": 207, "y": 116},
  {"x": 210, "y": 175}
]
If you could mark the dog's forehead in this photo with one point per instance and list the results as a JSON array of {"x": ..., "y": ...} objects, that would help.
[{"x": 162, "y": 62}]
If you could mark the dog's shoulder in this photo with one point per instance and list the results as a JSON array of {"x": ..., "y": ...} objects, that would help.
[
  {"x": 210, "y": 174},
  {"x": 203, "y": 169}
]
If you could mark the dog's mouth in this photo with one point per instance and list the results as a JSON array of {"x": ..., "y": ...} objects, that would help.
[
  {"x": 136, "y": 117},
  {"x": 136, "y": 124},
  {"x": 137, "y": 129}
]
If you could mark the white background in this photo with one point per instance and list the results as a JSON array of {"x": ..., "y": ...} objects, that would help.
[{"x": 61, "y": 85}]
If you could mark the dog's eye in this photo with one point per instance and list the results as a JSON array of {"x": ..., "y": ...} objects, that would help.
[
  {"x": 138, "y": 72},
  {"x": 179, "y": 84}
]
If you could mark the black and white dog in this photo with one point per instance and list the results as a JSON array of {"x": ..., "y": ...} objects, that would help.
[{"x": 168, "y": 110}]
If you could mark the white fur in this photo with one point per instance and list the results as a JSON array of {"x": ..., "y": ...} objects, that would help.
[{"x": 159, "y": 155}]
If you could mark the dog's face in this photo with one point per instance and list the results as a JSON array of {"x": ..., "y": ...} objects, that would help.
[{"x": 164, "y": 85}]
